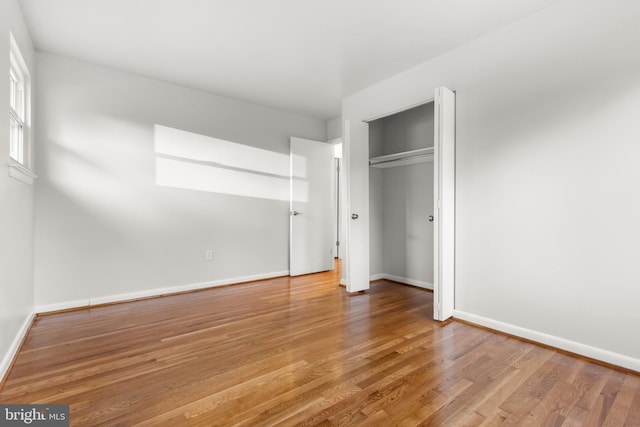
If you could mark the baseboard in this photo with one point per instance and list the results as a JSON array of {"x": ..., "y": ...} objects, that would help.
[
  {"x": 585, "y": 350},
  {"x": 60, "y": 306},
  {"x": 12, "y": 351},
  {"x": 405, "y": 280},
  {"x": 110, "y": 299}
]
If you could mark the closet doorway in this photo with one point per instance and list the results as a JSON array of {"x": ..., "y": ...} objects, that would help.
[
  {"x": 368, "y": 148},
  {"x": 401, "y": 207}
]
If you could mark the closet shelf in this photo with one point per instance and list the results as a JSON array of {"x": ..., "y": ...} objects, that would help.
[{"x": 421, "y": 155}]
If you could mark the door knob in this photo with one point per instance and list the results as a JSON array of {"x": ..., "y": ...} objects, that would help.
[
  {"x": 295, "y": 213},
  {"x": 431, "y": 218},
  {"x": 354, "y": 216}
]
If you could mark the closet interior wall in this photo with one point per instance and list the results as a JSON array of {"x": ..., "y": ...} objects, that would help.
[{"x": 401, "y": 199}]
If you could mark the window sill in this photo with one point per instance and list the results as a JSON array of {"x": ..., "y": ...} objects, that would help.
[{"x": 21, "y": 173}]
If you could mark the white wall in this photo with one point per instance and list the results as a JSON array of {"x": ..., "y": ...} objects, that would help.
[
  {"x": 376, "y": 222},
  {"x": 16, "y": 200},
  {"x": 547, "y": 177},
  {"x": 405, "y": 131},
  {"x": 105, "y": 227},
  {"x": 334, "y": 128},
  {"x": 407, "y": 239}
]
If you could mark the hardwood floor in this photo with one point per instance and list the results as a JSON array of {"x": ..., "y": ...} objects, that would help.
[{"x": 301, "y": 351}]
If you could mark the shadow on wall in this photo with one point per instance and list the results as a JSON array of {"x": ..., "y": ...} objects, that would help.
[{"x": 196, "y": 162}]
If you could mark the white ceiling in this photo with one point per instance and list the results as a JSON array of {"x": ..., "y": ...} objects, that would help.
[{"x": 296, "y": 55}]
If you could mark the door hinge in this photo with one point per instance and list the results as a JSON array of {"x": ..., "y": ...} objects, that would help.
[{"x": 337, "y": 243}]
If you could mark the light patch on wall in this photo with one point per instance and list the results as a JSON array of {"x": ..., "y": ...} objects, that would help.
[
  {"x": 197, "y": 162},
  {"x": 102, "y": 165}
]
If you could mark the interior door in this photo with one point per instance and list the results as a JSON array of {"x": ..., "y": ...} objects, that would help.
[
  {"x": 356, "y": 155},
  {"x": 312, "y": 220},
  {"x": 444, "y": 203}
]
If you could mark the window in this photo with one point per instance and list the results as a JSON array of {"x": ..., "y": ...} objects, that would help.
[
  {"x": 19, "y": 114},
  {"x": 16, "y": 115}
]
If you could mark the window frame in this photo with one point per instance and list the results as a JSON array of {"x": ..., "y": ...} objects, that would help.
[
  {"x": 16, "y": 116},
  {"x": 20, "y": 148}
]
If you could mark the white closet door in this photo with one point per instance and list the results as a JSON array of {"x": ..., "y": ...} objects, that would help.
[
  {"x": 356, "y": 153},
  {"x": 444, "y": 201}
]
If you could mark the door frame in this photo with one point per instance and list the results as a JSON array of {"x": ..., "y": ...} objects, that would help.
[
  {"x": 444, "y": 224},
  {"x": 339, "y": 187}
]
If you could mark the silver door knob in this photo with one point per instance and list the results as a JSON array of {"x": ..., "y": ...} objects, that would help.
[
  {"x": 431, "y": 218},
  {"x": 295, "y": 213},
  {"x": 354, "y": 216}
]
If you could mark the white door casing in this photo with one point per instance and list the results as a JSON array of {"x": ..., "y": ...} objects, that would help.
[{"x": 312, "y": 220}]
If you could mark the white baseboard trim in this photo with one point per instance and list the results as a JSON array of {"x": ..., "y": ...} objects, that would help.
[
  {"x": 66, "y": 305},
  {"x": 15, "y": 346},
  {"x": 405, "y": 280},
  {"x": 155, "y": 292},
  {"x": 343, "y": 282},
  {"x": 553, "y": 341}
]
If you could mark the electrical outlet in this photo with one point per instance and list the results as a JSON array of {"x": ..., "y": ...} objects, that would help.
[{"x": 208, "y": 255}]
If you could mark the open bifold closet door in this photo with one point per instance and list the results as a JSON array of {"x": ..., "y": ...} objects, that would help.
[{"x": 444, "y": 203}]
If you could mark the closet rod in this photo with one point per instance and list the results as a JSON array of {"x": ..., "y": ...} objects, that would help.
[
  {"x": 403, "y": 158},
  {"x": 410, "y": 160}
]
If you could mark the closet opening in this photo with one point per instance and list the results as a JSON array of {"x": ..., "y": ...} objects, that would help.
[{"x": 401, "y": 197}]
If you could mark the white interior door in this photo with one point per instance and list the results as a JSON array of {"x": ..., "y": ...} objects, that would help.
[
  {"x": 444, "y": 201},
  {"x": 312, "y": 220},
  {"x": 356, "y": 155}
]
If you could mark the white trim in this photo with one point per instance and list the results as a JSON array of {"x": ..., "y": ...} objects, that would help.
[
  {"x": 155, "y": 292},
  {"x": 65, "y": 305},
  {"x": 15, "y": 345},
  {"x": 20, "y": 172},
  {"x": 553, "y": 341},
  {"x": 405, "y": 280},
  {"x": 343, "y": 282},
  {"x": 397, "y": 111}
]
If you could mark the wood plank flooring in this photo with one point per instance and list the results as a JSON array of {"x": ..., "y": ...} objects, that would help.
[{"x": 301, "y": 351}]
